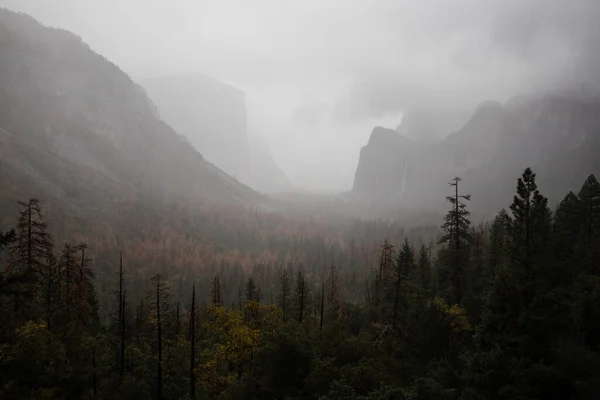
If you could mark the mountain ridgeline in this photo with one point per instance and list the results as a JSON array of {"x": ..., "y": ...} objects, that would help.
[
  {"x": 76, "y": 129},
  {"x": 558, "y": 135}
]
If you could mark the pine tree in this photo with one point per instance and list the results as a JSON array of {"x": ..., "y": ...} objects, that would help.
[
  {"x": 568, "y": 220},
  {"x": 424, "y": 270},
  {"x": 192, "y": 336},
  {"x": 530, "y": 229},
  {"x": 322, "y": 305},
  {"x": 589, "y": 197},
  {"x": 498, "y": 241},
  {"x": 385, "y": 271},
  {"x": 404, "y": 271},
  {"x": 332, "y": 286},
  {"x": 86, "y": 291},
  {"x": 301, "y": 294},
  {"x": 285, "y": 290},
  {"x": 215, "y": 291},
  {"x": 159, "y": 306},
  {"x": 456, "y": 234},
  {"x": 252, "y": 291},
  {"x": 67, "y": 281},
  {"x": 119, "y": 317},
  {"x": 524, "y": 323},
  {"x": 28, "y": 259}
]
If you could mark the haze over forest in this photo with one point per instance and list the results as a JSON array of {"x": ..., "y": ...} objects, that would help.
[
  {"x": 300, "y": 200},
  {"x": 318, "y": 76}
]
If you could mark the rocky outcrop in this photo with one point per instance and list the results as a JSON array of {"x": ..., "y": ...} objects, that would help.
[
  {"x": 382, "y": 169},
  {"x": 557, "y": 135},
  {"x": 213, "y": 116}
]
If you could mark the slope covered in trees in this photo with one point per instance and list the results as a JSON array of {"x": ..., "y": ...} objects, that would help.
[{"x": 498, "y": 311}]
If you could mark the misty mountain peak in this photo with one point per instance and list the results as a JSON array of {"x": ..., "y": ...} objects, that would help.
[{"x": 381, "y": 135}]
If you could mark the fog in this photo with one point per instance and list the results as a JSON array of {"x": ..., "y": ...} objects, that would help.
[{"x": 319, "y": 75}]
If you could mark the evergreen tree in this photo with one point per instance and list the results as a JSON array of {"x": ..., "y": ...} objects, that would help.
[
  {"x": 524, "y": 322},
  {"x": 456, "y": 234},
  {"x": 28, "y": 259},
  {"x": 424, "y": 271},
  {"x": 566, "y": 227},
  {"x": 6, "y": 238},
  {"x": 215, "y": 291},
  {"x": 589, "y": 197},
  {"x": 252, "y": 291},
  {"x": 498, "y": 241},
  {"x": 404, "y": 274},
  {"x": 385, "y": 272},
  {"x": 301, "y": 296},
  {"x": 158, "y": 300},
  {"x": 121, "y": 318},
  {"x": 192, "y": 335},
  {"x": 67, "y": 281},
  {"x": 285, "y": 290},
  {"x": 86, "y": 291}
]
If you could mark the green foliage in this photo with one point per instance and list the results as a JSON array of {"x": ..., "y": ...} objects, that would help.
[{"x": 527, "y": 326}]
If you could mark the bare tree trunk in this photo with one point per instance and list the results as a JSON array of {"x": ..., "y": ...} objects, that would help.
[
  {"x": 193, "y": 345},
  {"x": 396, "y": 301},
  {"x": 94, "y": 373},
  {"x": 121, "y": 321},
  {"x": 177, "y": 321},
  {"x": 301, "y": 299},
  {"x": 322, "y": 304},
  {"x": 159, "y": 341}
]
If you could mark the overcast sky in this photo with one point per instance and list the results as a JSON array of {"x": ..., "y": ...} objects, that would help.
[{"x": 319, "y": 74}]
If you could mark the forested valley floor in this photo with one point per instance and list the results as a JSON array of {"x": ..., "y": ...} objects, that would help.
[{"x": 239, "y": 304}]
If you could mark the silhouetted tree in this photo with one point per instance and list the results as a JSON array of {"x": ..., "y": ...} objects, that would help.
[
  {"x": 285, "y": 290},
  {"x": 456, "y": 235}
]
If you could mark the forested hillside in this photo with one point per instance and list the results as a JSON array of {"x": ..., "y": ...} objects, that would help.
[{"x": 499, "y": 311}]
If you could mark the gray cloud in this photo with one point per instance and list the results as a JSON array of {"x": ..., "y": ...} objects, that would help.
[{"x": 318, "y": 72}]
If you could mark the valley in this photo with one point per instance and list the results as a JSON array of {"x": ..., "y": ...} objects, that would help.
[{"x": 152, "y": 248}]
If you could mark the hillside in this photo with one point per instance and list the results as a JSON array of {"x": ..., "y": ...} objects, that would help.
[
  {"x": 76, "y": 129},
  {"x": 558, "y": 135}
]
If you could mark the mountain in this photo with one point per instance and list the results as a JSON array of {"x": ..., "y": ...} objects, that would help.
[
  {"x": 76, "y": 128},
  {"x": 557, "y": 135},
  {"x": 213, "y": 116},
  {"x": 431, "y": 123}
]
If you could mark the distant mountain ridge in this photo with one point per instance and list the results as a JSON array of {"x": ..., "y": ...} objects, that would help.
[
  {"x": 213, "y": 116},
  {"x": 76, "y": 127},
  {"x": 558, "y": 135}
]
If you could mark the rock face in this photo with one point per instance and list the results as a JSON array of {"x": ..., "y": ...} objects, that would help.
[
  {"x": 75, "y": 126},
  {"x": 556, "y": 135},
  {"x": 213, "y": 116}
]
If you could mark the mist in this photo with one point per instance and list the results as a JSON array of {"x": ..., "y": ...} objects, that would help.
[{"x": 319, "y": 75}]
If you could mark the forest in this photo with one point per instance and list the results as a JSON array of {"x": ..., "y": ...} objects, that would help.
[{"x": 242, "y": 305}]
